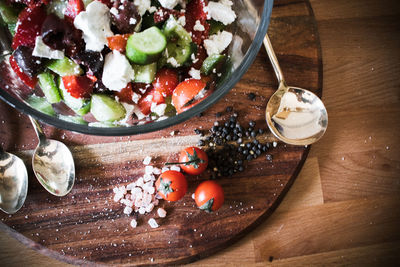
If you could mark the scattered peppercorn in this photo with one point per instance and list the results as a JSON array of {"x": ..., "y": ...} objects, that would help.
[
  {"x": 251, "y": 96},
  {"x": 229, "y": 109}
]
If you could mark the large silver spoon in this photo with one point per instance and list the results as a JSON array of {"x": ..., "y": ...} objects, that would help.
[
  {"x": 294, "y": 115},
  {"x": 13, "y": 182},
  {"x": 53, "y": 164}
]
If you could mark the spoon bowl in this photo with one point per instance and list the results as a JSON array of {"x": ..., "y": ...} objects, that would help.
[
  {"x": 13, "y": 182},
  {"x": 294, "y": 115},
  {"x": 53, "y": 164}
]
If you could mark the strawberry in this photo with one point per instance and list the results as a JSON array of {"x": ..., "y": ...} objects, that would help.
[
  {"x": 78, "y": 86},
  {"x": 31, "y": 82},
  {"x": 30, "y": 22},
  {"x": 195, "y": 11},
  {"x": 74, "y": 7}
]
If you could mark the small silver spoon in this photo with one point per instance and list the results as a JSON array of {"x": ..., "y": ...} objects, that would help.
[
  {"x": 13, "y": 182},
  {"x": 53, "y": 164},
  {"x": 294, "y": 115}
]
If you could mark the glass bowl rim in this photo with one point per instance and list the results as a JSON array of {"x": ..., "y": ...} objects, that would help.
[{"x": 171, "y": 121}]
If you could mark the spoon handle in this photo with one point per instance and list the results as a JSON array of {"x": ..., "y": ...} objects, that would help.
[
  {"x": 38, "y": 129},
  {"x": 274, "y": 60}
]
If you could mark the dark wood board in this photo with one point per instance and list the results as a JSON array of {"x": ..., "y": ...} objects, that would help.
[{"x": 87, "y": 227}]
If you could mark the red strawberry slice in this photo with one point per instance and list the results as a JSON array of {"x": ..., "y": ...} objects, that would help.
[
  {"x": 30, "y": 22},
  {"x": 78, "y": 86},
  {"x": 195, "y": 11},
  {"x": 31, "y": 82},
  {"x": 162, "y": 14},
  {"x": 74, "y": 7}
]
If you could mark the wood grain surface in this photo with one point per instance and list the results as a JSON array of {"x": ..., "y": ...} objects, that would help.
[
  {"x": 343, "y": 209},
  {"x": 87, "y": 227}
]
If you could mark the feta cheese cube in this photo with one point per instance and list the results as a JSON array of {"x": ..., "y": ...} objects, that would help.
[
  {"x": 142, "y": 5},
  {"x": 173, "y": 62},
  {"x": 117, "y": 71},
  {"x": 94, "y": 22},
  {"x": 217, "y": 43},
  {"x": 221, "y": 12},
  {"x": 153, "y": 223},
  {"x": 42, "y": 50},
  {"x": 198, "y": 26},
  {"x": 170, "y": 4},
  {"x": 159, "y": 109},
  {"x": 182, "y": 21},
  {"x": 161, "y": 212},
  {"x": 195, "y": 73}
]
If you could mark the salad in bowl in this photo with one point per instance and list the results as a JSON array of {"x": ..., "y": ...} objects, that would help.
[{"x": 116, "y": 63}]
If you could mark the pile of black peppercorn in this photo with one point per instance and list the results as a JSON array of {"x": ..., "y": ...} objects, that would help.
[{"x": 231, "y": 145}]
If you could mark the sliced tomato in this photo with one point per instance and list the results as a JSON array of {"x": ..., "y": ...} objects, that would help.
[
  {"x": 78, "y": 86},
  {"x": 118, "y": 42},
  {"x": 165, "y": 81},
  {"x": 30, "y": 22},
  {"x": 186, "y": 92},
  {"x": 31, "y": 82},
  {"x": 74, "y": 7},
  {"x": 162, "y": 14},
  {"x": 151, "y": 96},
  {"x": 195, "y": 11},
  {"x": 125, "y": 95}
]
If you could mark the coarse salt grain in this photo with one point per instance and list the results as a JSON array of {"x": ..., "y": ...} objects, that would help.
[
  {"x": 161, "y": 212},
  {"x": 164, "y": 169},
  {"x": 147, "y": 160},
  {"x": 148, "y": 170},
  {"x": 156, "y": 171},
  {"x": 175, "y": 168},
  {"x": 127, "y": 210},
  {"x": 153, "y": 223},
  {"x": 133, "y": 223}
]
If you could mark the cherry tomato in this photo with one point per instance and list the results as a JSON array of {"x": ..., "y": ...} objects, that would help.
[
  {"x": 171, "y": 185},
  {"x": 118, "y": 42},
  {"x": 151, "y": 96},
  {"x": 209, "y": 196},
  {"x": 195, "y": 158},
  {"x": 185, "y": 92},
  {"x": 165, "y": 82}
]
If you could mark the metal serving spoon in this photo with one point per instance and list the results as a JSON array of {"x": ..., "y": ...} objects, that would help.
[
  {"x": 294, "y": 115},
  {"x": 13, "y": 182},
  {"x": 53, "y": 164}
]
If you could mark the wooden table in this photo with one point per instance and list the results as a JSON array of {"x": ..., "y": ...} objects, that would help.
[{"x": 343, "y": 209}]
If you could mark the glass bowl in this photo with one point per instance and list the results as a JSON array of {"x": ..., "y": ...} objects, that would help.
[{"x": 249, "y": 29}]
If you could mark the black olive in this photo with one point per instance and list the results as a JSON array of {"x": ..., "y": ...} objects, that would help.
[{"x": 29, "y": 64}]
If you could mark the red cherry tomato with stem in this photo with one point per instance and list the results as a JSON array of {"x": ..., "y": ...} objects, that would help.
[
  {"x": 209, "y": 196},
  {"x": 192, "y": 160},
  {"x": 171, "y": 185}
]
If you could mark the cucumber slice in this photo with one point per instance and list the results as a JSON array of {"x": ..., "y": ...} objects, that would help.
[
  {"x": 40, "y": 103},
  {"x": 105, "y": 108},
  {"x": 65, "y": 67},
  {"x": 80, "y": 106},
  {"x": 179, "y": 54},
  {"x": 73, "y": 119},
  {"x": 215, "y": 26},
  {"x": 146, "y": 47},
  {"x": 172, "y": 29},
  {"x": 49, "y": 87},
  {"x": 211, "y": 63},
  {"x": 145, "y": 73},
  {"x": 8, "y": 13}
]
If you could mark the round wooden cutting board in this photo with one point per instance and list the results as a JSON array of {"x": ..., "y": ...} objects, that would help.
[{"x": 88, "y": 227}]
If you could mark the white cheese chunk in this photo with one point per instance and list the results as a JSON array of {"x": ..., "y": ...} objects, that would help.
[
  {"x": 221, "y": 12},
  {"x": 142, "y": 5},
  {"x": 195, "y": 73},
  {"x": 117, "y": 71},
  {"x": 95, "y": 25},
  {"x": 182, "y": 21},
  {"x": 153, "y": 223},
  {"x": 217, "y": 43},
  {"x": 170, "y": 4},
  {"x": 198, "y": 26},
  {"x": 42, "y": 50},
  {"x": 159, "y": 109}
]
